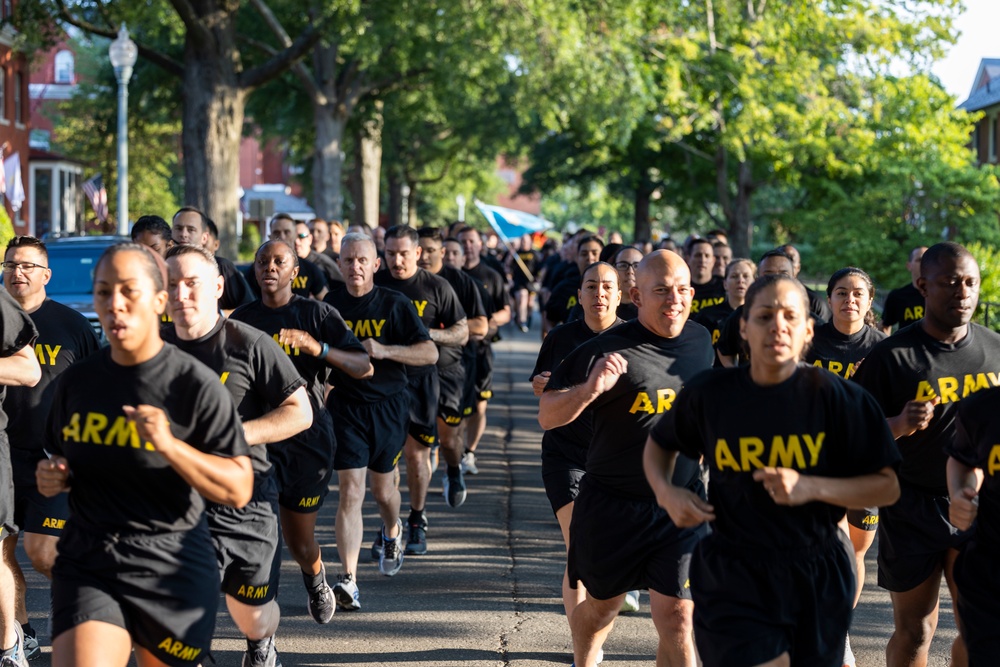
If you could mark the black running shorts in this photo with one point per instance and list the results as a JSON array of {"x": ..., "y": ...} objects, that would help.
[
  {"x": 484, "y": 372},
  {"x": 425, "y": 391},
  {"x": 865, "y": 519},
  {"x": 750, "y": 607},
  {"x": 561, "y": 478},
  {"x": 620, "y": 544},
  {"x": 913, "y": 537},
  {"x": 248, "y": 545},
  {"x": 979, "y": 602},
  {"x": 303, "y": 468},
  {"x": 452, "y": 387},
  {"x": 35, "y": 513},
  {"x": 371, "y": 435},
  {"x": 162, "y": 588},
  {"x": 469, "y": 397}
]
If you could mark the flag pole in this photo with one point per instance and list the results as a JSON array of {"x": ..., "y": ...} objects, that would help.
[{"x": 513, "y": 253}]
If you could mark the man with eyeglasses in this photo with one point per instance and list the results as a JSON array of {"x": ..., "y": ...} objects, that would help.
[
  {"x": 310, "y": 281},
  {"x": 626, "y": 264},
  {"x": 64, "y": 336}
]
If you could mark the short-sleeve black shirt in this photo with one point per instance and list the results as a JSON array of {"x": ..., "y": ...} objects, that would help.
[
  {"x": 903, "y": 306},
  {"x": 712, "y": 318},
  {"x": 64, "y": 337},
  {"x": 120, "y": 483},
  {"x": 623, "y": 416},
  {"x": 838, "y": 352},
  {"x": 707, "y": 295},
  {"x": 16, "y": 332},
  {"x": 819, "y": 308},
  {"x": 437, "y": 305},
  {"x": 310, "y": 280},
  {"x": 390, "y": 318},
  {"x": 494, "y": 284},
  {"x": 251, "y": 366},
  {"x": 517, "y": 275},
  {"x": 562, "y": 301},
  {"x": 236, "y": 290},
  {"x": 331, "y": 272},
  {"x": 814, "y": 422},
  {"x": 977, "y": 434},
  {"x": 913, "y": 365}
]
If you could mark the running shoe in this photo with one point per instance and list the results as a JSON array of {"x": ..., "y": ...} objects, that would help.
[
  {"x": 321, "y": 603},
  {"x": 31, "y": 648},
  {"x": 392, "y": 554},
  {"x": 597, "y": 661},
  {"x": 454, "y": 487},
  {"x": 631, "y": 602},
  {"x": 416, "y": 539},
  {"x": 17, "y": 658},
  {"x": 849, "y": 659},
  {"x": 469, "y": 464},
  {"x": 348, "y": 595},
  {"x": 377, "y": 546},
  {"x": 263, "y": 655}
]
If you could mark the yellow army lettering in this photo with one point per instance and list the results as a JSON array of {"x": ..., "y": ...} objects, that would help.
[
  {"x": 224, "y": 377},
  {"x": 309, "y": 502},
  {"x": 836, "y": 367},
  {"x": 786, "y": 451},
  {"x": 177, "y": 649},
  {"x": 49, "y": 522},
  {"x": 698, "y": 305},
  {"x": 47, "y": 354},
  {"x": 664, "y": 399},
  {"x": 452, "y": 419},
  {"x": 289, "y": 350},
  {"x": 299, "y": 282},
  {"x": 716, "y": 334},
  {"x": 252, "y": 592},
  {"x": 366, "y": 328},
  {"x": 947, "y": 387},
  {"x": 122, "y": 432},
  {"x": 993, "y": 462},
  {"x": 913, "y": 314},
  {"x": 420, "y": 305},
  {"x": 571, "y": 303}
]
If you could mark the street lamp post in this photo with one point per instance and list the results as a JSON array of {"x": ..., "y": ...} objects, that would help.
[{"x": 123, "y": 54}]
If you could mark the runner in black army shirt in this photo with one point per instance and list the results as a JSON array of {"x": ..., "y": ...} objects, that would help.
[
  {"x": 272, "y": 403},
  {"x": 620, "y": 540},
  {"x": 905, "y": 305},
  {"x": 310, "y": 282},
  {"x": 974, "y": 487},
  {"x": 498, "y": 311},
  {"x": 316, "y": 339},
  {"x": 142, "y": 435},
  {"x": 442, "y": 314},
  {"x": 373, "y": 415},
  {"x": 740, "y": 274},
  {"x": 523, "y": 281},
  {"x": 917, "y": 376},
  {"x": 708, "y": 288},
  {"x": 64, "y": 337},
  {"x": 787, "y": 446},
  {"x": 564, "y": 449},
  {"x": 190, "y": 227},
  {"x": 563, "y": 298}
]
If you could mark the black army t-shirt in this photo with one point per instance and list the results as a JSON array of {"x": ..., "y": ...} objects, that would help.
[
  {"x": 819, "y": 308},
  {"x": 310, "y": 280},
  {"x": 841, "y": 353},
  {"x": 657, "y": 369},
  {"x": 64, "y": 337},
  {"x": 436, "y": 304},
  {"x": 813, "y": 422},
  {"x": 494, "y": 284},
  {"x": 331, "y": 272},
  {"x": 520, "y": 279},
  {"x": 16, "y": 331},
  {"x": 977, "y": 444},
  {"x": 235, "y": 291},
  {"x": 571, "y": 440},
  {"x": 120, "y": 483},
  {"x": 388, "y": 317},
  {"x": 712, "y": 318},
  {"x": 903, "y": 306},
  {"x": 251, "y": 366},
  {"x": 912, "y": 365},
  {"x": 707, "y": 295},
  {"x": 564, "y": 298}
]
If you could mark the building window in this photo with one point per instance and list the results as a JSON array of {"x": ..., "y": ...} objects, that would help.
[
  {"x": 64, "y": 67},
  {"x": 18, "y": 98}
]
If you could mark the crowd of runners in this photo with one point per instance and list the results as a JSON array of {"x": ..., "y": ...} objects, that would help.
[{"x": 711, "y": 436}]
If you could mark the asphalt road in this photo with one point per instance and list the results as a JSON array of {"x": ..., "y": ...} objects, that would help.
[{"x": 487, "y": 593}]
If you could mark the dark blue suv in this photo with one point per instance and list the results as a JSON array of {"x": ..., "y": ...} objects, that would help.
[{"x": 73, "y": 260}]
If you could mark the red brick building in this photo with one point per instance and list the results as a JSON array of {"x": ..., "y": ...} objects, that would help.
[{"x": 14, "y": 111}]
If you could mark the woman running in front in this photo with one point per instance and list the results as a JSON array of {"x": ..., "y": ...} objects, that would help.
[
  {"x": 788, "y": 446},
  {"x": 142, "y": 435}
]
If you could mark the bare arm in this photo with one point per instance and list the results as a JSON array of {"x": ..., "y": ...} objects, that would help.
[
  {"x": 788, "y": 487},
  {"x": 456, "y": 335},
  {"x": 501, "y": 317},
  {"x": 21, "y": 369},
  {"x": 963, "y": 487},
  {"x": 478, "y": 327},
  {"x": 353, "y": 362},
  {"x": 423, "y": 353},
  {"x": 916, "y": 416},
  {"x": 294, "y": 415},
  {"x": 560, "y": 407},
  {"x": 686, "y": 508},
  {"x": 227, "y": 481},
  {"x": 727, "y": 360}
]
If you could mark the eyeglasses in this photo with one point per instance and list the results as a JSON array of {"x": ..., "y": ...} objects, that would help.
[
  {"x": 302, "y": 236},
  {"x": 625, "y": 266},
  {"x": 26, "y": 267}
]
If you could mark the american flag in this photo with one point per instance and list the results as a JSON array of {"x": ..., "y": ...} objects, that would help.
[{"x": 97, "y": 196}]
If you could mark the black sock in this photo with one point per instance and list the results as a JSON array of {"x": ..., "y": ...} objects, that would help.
[
  {"x": 315, "y": 581},
  {"x": 28, "y": 630},
  {"x": 416, "y": 516},
  {"x": 468, "y": 451},
  {"x": 454, "y": 471}
]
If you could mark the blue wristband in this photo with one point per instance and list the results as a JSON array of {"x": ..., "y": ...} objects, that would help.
[{"x": 325, "y": 350}]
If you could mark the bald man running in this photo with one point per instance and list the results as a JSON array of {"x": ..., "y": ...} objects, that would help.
[{"x": 620, "y": 539}]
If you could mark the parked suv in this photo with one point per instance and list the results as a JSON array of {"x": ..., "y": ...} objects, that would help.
[{"x": 73, "y": 260}]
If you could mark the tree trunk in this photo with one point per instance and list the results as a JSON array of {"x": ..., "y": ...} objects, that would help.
[
  {"x": 643, "y": 229},
  {"x": 212, "y": 128},
  {"x": 328, "y": 161},
  {"x": 743, "y": 221},
  {"x": 395, "y": 186},
  {"x": 371, "y": 166},
  {"x": 411, "y": 207}
]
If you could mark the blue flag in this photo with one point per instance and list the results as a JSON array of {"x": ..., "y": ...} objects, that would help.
[{"x": 510, "y": 224}]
